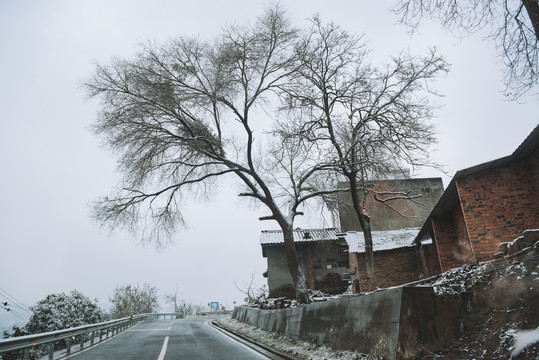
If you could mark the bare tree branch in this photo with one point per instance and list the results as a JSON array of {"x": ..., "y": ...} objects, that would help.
[
  {"x": 513, "y": 25},
  {"x": 366, "y": 121}
]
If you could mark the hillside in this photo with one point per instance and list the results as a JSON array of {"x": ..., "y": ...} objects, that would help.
[
  {"x": 500, "y": 304},
  {"x": 499, "y": 313}
]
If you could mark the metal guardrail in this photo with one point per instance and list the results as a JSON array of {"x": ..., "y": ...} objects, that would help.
[
  {"x": 212, "y": 313},
  {"x": 83, "y": 334}
]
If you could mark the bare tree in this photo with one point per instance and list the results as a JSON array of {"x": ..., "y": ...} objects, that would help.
[
  {"x": 174, "y": 300},
  {"x": 131, "y": 300},
  {"x": 185, "y": 114},
  {"x": 367, "y": 121},
  {"x": 513, "y": 25},
  {"x": 251, "y": 290}
]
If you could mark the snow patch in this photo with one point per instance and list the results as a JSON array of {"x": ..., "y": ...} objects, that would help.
[
  {"x": 302, "y": 349},
  {"x": 523, "y": 339},
  {"x": 381, "y": 240}
]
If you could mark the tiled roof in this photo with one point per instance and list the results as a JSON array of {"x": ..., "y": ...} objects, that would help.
[
  {"x": 300, "y": 235},
  {"x": 381, "y": 240}
]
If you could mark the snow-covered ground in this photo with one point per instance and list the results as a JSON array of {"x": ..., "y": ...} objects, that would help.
[
  {"x": 523, "y": 339},
  {"x": 301, "y": 349},
  {"x": 499, "y": 319}
]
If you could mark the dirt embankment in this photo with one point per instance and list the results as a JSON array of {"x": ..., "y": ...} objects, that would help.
[{"x": 499, "y": 301}]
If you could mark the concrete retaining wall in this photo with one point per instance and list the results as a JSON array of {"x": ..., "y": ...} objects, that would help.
[{"x": 398, "y": 323}]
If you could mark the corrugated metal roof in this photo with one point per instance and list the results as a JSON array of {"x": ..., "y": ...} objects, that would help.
[
  {"x": 300, "y": 235},
  {"x": 381, "y": 240}
]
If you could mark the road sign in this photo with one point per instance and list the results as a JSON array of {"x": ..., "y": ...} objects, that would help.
[{"x": 214, "y": 305}]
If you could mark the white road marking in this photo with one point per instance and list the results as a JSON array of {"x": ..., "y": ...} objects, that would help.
[{"x": 163, "y": 350}]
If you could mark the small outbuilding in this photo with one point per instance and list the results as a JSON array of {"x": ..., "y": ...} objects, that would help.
[
  {"x": 483, "y": 206},
  {"x": 320, "y": 252},
  {"x": 396, "y": 259}
]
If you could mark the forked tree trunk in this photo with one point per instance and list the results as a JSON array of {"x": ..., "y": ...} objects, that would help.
[
  {"x": 365, "y": 223},
  {"x": 302, "y": 294}
]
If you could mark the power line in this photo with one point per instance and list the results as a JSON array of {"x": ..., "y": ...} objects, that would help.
[
  {"x": 7, "y": 306},
  {"x": 15, "y": 301},
  {"x": 14, "y": 298},
  {"x": 11, "y": 311},
  {"x": 7, "y": 302},
  {"x": 14, "y": 306}
]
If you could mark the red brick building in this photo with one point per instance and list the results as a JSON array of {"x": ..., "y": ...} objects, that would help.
[
  {"x": 396, "y": 260},
  {"x": 483, "y": 206}
]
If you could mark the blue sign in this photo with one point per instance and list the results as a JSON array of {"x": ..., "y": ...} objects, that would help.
[{"x": 214, "y": 305}]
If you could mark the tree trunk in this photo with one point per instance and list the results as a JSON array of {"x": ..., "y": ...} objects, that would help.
[
  {"x": 532, "y": 7},
  {"x": 365, "y": 223},
  {"x": 302, "y": 294}
]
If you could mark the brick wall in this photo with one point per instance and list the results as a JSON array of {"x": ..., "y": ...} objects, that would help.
[
  {"x": 452, "y": 243},
  {"x": 392, "y": 267},
  {"x": 534, "y": 163},
  {"x": 499, "y": 204},
  {"x": 428, "y": 260}
]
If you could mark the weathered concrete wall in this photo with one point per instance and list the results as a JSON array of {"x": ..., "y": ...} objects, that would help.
[
  {"x": 325, "y": 258},
  {"x": 396, "y": 323},
  {"x": 382, "y": 216}
]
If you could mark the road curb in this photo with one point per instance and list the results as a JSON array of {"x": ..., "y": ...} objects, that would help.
[{"x": 268, "y": 351}]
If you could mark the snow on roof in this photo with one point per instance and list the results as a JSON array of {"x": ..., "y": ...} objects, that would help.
[
  {"x": 381, "y": 240},
  {"x": 300, "y": 235}
]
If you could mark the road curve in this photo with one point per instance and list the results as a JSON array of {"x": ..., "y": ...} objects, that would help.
[{"x": 170, "y": 339}]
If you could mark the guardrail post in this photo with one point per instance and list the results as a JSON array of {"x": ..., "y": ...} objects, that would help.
[
  {"x": 27, "y": 354},
  {"x": 82, "y": 341},
  {"x": 68, "y": 346},
  {"x": 92, "y": 338},
  {"x": 51, "y": 350}
]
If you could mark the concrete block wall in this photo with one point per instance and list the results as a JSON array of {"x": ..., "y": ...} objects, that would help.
[{"x": 398, "y": 323}]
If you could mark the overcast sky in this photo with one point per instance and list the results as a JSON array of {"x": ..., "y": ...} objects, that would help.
[{"x": 52, "y": 165}]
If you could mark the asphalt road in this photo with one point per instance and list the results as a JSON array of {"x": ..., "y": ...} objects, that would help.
[{"x": 169, "y": 339}]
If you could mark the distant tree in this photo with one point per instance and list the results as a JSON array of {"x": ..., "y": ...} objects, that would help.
[
  {"x": 174, "y": 300},
  {"x": 56, "y": 312},
  {"x": 15, "y": 331},
  {"x": 132, "y": 300},
  {"x": 16, "y": 355},
  {"x": 61, "y": 311},
  {"x": 367, "y": 121},
  {"x": 187, "y": 113},
  {"x": 252, "y": 292},
  {"x": 514, "y": 26},
  {"x": 192, "y": 309}
]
